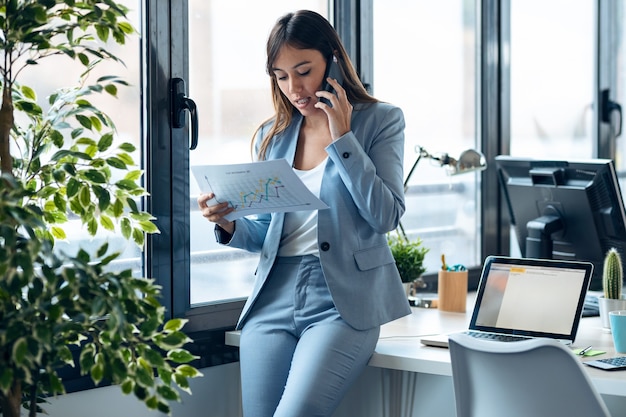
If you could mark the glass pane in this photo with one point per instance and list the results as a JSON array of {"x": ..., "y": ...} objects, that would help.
[
  {"x": 228, "y": 82},
  {"x": 618, "y": 48},
  {"x": 430, "y": 72},
  {"x": 552, "y": 72},
  {"x": 123, "y": 110}
]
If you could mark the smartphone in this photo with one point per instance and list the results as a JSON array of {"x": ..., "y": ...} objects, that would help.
[{"x": 333, "y": 71}]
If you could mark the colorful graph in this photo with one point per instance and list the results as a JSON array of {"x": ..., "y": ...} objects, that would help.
[
  {"x": 258, "y": 187},
  {"x": 260, "y": 193}
]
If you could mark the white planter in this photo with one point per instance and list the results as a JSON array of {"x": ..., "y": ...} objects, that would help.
[
  {"x": 608, "y": 304},
  {"x": 407, "y": 287}
]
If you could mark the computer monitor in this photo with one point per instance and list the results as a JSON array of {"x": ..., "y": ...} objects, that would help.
[{"x": 570, "y": 210}]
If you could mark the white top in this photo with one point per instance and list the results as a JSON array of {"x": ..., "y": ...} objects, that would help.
[{"x": 300, "y": 228}]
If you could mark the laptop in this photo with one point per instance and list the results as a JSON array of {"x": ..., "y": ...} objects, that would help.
[{"x": 526, "y": 298}]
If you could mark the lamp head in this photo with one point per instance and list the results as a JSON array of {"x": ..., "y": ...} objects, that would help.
[{"x": 470, "y": 160}]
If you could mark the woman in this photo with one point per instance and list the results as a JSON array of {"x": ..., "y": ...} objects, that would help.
[{"x": 326, "y": 280}]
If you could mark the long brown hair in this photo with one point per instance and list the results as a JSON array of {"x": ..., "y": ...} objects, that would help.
[{"x": 305, "y": 29}]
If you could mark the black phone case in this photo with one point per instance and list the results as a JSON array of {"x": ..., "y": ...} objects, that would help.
[{"x": 333, "y": 71}]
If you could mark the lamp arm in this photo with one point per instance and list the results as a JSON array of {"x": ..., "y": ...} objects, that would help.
[
  {"x": 410, "y": 174},
  {"x": 420, "y": 153}
]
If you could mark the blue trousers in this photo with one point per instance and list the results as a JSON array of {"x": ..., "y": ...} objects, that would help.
[{"x": 297, "y": 355}]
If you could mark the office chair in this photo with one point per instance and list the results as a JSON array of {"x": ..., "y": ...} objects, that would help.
[{"x": 538, "y": 377}]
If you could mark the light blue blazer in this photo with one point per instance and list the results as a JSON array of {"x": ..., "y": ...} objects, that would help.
[{"x": 363, "y": 187}]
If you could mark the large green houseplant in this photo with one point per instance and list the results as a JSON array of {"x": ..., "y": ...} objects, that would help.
[{"x": 62, "y": 160}]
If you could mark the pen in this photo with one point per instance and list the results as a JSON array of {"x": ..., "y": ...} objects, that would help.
[{"x": 585, "y": 350}]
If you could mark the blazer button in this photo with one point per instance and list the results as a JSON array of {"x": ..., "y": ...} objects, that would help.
[
  {"x": 346, "y": 155},
  {"x": 325, "y": 246}
]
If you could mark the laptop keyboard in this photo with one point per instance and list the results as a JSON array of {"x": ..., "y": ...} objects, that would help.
[
  {"x": 495, "y": 336},
  {"x": 609, "y": 364}
]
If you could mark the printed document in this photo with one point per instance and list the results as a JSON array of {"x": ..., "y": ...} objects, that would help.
[{"x": 256, "y": 187}]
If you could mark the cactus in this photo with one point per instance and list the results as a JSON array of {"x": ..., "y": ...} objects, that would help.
[{"x": 612, "y": 275}]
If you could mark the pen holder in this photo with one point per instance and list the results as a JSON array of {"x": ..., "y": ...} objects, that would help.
[{"x": 452, "y": 290}]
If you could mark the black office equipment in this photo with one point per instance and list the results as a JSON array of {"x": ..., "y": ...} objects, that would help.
[{"x": 568, "y": 210}]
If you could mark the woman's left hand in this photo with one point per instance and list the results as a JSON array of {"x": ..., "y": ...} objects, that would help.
[{"x": 340, "y": 114}]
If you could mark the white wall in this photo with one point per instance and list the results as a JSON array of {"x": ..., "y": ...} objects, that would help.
[
  {"x": 217, "y": 394},
  {"x": 378, "y": 393}
]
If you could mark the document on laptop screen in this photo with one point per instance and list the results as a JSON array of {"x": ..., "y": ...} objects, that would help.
[{"x": 538, "y": 299}]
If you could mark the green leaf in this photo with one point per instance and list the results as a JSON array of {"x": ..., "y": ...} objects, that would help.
[
  {"x": 134, "y": 175},
  {"x": 154, "y": 358},
  {"x": 84, "y": 121},
  {"x": 181, "y": 356},
  {"x": 84, "y": 59},
  {"x": 148, "y": 227},
  {"x": 188, "y": 371},
  {"x": 117, "y": 163},
  {"x": 128, "y": 160},
  {"x": 92, "y": 226},
  {"x": 118, "y": 208},
  {"x": 126, "y": 185},
  {"x": 29, "y": 93},
  {"x": 72, "y": 187},
  {"x": 96, "y": 176},
  {"x": 58, "y": 233},
  {"x": 138, "y": 237},
  {"x": 104, "y": 200},
  {"x": 102, "y": 32},
  {"x": 127, "y": 386},
  {"x": 6, "y": 378},
  {"x": 172, "y": 340},
  {"x": 86, "y": 358},
  {"x": 144, "y": 377},
  {"x": 173, "y": 325},
  {"x": 132, "y": 205},
  {"x": 152, "y": 402},
  {"x": 20, "y": 349},
  {"x": 128, "y": 147},
  {"x": 106, "y": 222},
  {"x": 97, "y": 373},
  {"x": 126, "y": 228},
  {"x": 168, "y": 393},
  {"x": 56, "y": 385},
  {"x": 105, "y": 142},
  {"x": 84, "y": 195},
  {"x": 59, "y": 202},
  {"x": 96, "y": 123}
]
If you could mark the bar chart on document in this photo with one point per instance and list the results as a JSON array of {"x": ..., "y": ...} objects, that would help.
[{"x": 256, "y": 187}]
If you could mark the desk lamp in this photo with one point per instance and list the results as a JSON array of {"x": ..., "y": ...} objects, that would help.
[{"x": 470, "y": 160}]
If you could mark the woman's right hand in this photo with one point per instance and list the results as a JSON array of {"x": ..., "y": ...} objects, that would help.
[{"x": 215, "y": 212}]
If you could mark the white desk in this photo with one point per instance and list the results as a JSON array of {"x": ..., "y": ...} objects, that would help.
[
  {"x": 399, "y": 347},
  {"x": 404, "y": 370}
]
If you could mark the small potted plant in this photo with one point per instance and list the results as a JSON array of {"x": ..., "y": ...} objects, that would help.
[
  {"x": 409, "y": 257},
  {"x": 612, "y": 282}
]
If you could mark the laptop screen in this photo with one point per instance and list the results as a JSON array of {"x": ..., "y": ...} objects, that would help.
[{"x": 531, "y": 297}]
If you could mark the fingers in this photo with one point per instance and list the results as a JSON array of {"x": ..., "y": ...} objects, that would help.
[
  {"x": 214, "y": 211},
  {"x": 334, "y": 98},
  {"x": 340, "y": 114}
]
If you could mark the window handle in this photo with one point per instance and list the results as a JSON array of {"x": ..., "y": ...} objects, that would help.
[
  {"x": 607, "y": 107},
  {"x": 180, "y": 103}
]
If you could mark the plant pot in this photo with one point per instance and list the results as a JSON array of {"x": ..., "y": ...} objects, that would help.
[
  {"x": 609, "y": 304},
  {"x": 407, "y": 288}
]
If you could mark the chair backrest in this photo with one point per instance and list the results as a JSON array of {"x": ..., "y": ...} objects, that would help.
[{"x": 538, "y": 377}]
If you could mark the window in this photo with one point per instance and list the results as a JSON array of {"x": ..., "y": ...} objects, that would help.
[
  {"x": 425, "y": 63},
  {"x": 125, "y": 111},
  {"x": 228, "y": 82},
  {"x": 552, "y": 78}
]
